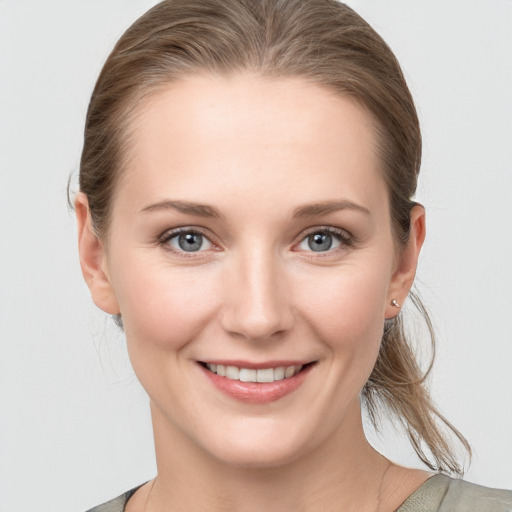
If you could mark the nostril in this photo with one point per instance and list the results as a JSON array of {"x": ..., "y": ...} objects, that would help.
[
  {"x": 257, "y": 307},
  {"x": 256, "y": 327}
]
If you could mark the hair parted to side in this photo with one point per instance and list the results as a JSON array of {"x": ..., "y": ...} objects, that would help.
[{"x": 325, "y": 43}]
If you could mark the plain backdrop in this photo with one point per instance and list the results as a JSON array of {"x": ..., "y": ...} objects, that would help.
[{"x": 74, "y": 423}]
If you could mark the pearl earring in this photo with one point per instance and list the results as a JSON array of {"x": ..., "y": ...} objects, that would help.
[{"x": 395, "y": 304}]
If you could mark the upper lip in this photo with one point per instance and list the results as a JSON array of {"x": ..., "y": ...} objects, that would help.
[{"x": 258, "y": 366}]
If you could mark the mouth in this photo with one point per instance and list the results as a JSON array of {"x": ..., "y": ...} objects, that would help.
[
  {"x": 256, "y": 383},
  {"x": 256, "y": 375}
]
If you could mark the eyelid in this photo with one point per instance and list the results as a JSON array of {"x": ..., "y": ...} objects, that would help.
[
  {"x": 167, "y": 235},
  {"x": 346, "y": 239}
]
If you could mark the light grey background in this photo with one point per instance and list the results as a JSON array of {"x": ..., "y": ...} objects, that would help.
[{"x": 74, "y": 425}]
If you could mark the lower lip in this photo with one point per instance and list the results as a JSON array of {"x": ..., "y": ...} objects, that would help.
[{"x": 256, "y": 392}]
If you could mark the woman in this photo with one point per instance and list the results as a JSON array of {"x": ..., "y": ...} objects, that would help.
[{"x": 245, "y": 212}]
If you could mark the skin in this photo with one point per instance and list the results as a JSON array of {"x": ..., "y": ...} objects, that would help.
[{"x": 256, "y": 150}]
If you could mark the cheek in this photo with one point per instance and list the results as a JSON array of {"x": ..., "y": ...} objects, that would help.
[
  {"x": 346, "y": 308},
  {"x": 163, "y": 307}
]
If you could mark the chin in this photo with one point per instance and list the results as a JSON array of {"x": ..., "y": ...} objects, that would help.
[{"x": 259, "y": 451}]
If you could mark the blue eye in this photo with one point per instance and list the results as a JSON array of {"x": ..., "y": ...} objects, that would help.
[
  {"x": 321, "y": 241},
  {"x": 189, "y": 241}
]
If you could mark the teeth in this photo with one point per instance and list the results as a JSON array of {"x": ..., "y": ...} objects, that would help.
[
  {"x": 266, "y": 375},
  {"x": 251, "y": 375},
  {"x": 279, "y": 373},
  {"x": 232, "y": 372},
  {"x": 289, "y": 372},
  {"x": 246, "y": 375}
]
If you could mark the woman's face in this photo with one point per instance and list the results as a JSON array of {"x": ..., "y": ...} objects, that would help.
[{"x": 251, "y": 229}]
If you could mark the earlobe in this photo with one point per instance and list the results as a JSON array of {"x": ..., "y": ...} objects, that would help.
[
  {"x": 403, "y": 276},
  {"x": 93, "y": 259}
]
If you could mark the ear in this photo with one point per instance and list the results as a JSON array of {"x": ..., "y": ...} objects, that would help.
[
  {"x": 403, "y": 276},
  {"x": 93, "y": 259}
]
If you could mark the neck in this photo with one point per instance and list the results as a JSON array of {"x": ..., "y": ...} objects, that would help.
[{"x": 343, "y": 473}]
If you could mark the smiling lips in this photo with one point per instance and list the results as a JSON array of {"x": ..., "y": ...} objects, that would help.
[{"x": 256, "y": 385}]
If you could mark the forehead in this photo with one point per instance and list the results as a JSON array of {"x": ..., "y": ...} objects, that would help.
[{"x": 249, "y": 133}]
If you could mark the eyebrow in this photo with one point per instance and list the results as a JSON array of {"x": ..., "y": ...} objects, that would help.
[
  {"x": 197, "y": 209},
  {"x": 326, "y": 207},
  {"x": 306, "y": 211}
]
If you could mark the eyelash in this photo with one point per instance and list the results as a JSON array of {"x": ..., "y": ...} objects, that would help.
[
  {"x": 345, "y": 239},
  {"x": 166, "y": 237}
]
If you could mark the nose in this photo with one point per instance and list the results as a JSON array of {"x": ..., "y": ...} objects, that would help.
[{"x": 257, "y": 303}]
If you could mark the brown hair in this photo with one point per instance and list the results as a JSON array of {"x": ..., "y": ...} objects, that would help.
[{"x": 326, "y": 43}]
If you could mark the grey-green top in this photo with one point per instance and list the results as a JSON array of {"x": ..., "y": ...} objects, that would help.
[
  {"x": 444, "y": 494},
  {"x": 438, "y": 494}
]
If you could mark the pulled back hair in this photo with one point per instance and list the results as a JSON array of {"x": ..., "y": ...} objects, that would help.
[{"x": 323, "y": 42}]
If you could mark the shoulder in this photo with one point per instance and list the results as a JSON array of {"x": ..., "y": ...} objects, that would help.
[
  {"x": 116, "y": 505},
  {"x": 441, "y": 493}
]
